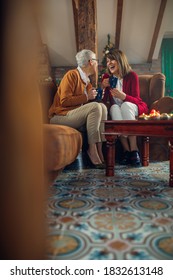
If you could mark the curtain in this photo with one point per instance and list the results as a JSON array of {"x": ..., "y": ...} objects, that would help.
[{"x": 167, "y": 64}]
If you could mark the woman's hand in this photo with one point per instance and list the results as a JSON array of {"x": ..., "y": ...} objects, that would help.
[
  {"x": 92, "y": 94},
  {"x": 105, "y": 83},
  {"x": 118, "y": 94}
]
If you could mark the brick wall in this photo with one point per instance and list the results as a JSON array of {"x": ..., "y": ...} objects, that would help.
[
  {"x": 143, "y": 68},
  {"x": 148, "y": 68}
]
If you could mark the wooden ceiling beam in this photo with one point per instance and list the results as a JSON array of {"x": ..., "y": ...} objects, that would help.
[
  {"x": 157, "y": 29},
  {"x": 75, "y": 17},
  {"x": 118, "y": 23},
  {"x": 85, "y": 22}
]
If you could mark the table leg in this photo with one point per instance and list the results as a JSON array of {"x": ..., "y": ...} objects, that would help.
[
  {"x": 110, "y": 154},
  {"x": 171, "y": 163},
  {"x": 145, "y": 151}
]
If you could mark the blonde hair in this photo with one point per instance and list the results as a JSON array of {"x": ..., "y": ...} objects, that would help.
[{"x": 120, "y": 57}]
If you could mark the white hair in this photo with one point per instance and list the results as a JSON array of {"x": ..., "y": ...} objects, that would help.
[{"x": 83, "y": 57}]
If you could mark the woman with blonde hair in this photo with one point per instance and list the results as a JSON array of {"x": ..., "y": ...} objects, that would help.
[{"x": 122, "y": 93}]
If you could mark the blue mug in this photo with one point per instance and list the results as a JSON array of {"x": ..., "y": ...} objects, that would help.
[
  {"x": 113, "y": 81},
  {"x": 99, "y": 93}
]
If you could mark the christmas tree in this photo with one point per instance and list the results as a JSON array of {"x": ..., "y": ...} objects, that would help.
[
  {"x": 106, "y": 50},
  {"x": 103, "y": 68}
]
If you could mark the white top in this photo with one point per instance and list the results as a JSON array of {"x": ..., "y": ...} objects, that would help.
[
  {"x": 119, "y": 86},
  {"x": 84, "y": 78}
]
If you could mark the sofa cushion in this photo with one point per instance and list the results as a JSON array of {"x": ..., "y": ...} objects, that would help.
[
  {"x": 157, "y": 87},
  {"x": 144, "y": 84},
  {"x": 62, "y": 145}
]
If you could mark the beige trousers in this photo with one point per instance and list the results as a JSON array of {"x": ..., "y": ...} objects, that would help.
[{"x": 92, "y": 114}]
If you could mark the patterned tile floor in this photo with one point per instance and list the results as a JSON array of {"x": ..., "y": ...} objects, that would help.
[{"x": 125, "y": 217}]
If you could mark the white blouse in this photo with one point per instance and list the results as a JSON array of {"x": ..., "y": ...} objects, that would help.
[
  {"x": 119, "y": 86},
  {"x": 84, "y": 78}
]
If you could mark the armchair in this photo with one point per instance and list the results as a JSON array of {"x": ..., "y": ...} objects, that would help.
[{"x": 152, "y": 90}]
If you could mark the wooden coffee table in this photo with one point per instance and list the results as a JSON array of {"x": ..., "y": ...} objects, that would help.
[{"x": 144, "y": 128}]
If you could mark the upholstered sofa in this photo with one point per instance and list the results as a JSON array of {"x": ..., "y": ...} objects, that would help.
[
  {"x": 62, "y": 144},
  {"x": 152, "y": 90}
]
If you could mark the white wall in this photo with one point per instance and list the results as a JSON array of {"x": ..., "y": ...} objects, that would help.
[
  {"x": 138, "y": 23},
  {"x": 166, "y": 29},
  {"x": 106, "y": 23},
  {"x": 57, "y": 30}
]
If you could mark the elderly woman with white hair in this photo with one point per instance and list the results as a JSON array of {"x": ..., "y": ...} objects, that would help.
[{"x": 72, "y": 105}]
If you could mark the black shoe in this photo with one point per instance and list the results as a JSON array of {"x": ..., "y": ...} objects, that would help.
[
  {"x": 99, "y": 166},
  {"x": 126, "y": 158},
  {"x": 135, "y": 159},
  {"x": 94, "y": 165}
]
